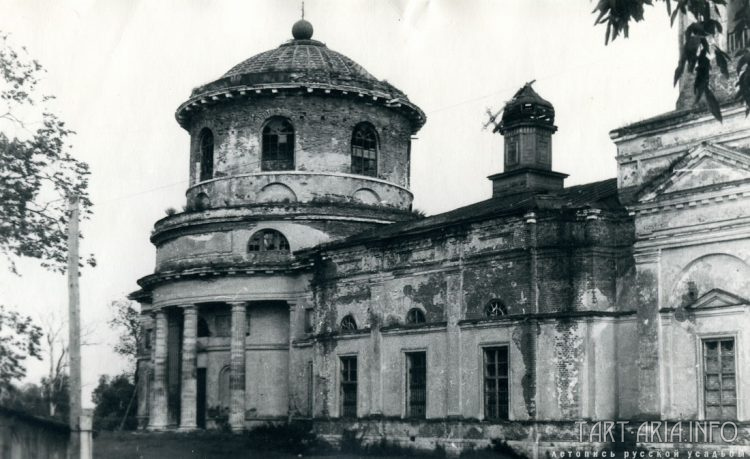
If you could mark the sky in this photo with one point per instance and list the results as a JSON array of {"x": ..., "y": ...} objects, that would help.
[{"x": 120, "y": 68}]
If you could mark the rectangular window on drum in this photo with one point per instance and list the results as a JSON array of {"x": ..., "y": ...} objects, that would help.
[
  {"x": 496, "y": 369},
  {"x": 719, "y": 381},
  {"x": 416, "y": 384},
  {"x": 349, "y": 387}
]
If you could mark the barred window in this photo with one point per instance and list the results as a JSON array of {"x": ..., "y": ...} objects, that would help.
[
  {"x": 415, "y": 316},
  {"x": 348, "y": 324},
  {"x": 496, "y": 382},
  {"x": 268, "y": 240},
  {"x": 349, "y": 387},
  {"x": 720, "y": 384},
  {"x": 278, "y": 145},
  {"x": 365, "y": 150},
  {"x": 206, "y": 140},
  {"x": 416, "y": 384},
  {"x": 495, "y": 308}
]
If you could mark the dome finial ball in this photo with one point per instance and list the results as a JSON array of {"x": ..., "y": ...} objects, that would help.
[{"x": 302, "y": 30}]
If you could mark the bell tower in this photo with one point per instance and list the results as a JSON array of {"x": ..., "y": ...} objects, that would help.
[{"x": 527, "y": 125}]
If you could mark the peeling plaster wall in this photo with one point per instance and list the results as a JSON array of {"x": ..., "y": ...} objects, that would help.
[
  {"x": 692, "y": 228},
  {"x": 230, "y": 246},
  {"x": 323, "y": 130},
  {"x": 560, "y": 369}
]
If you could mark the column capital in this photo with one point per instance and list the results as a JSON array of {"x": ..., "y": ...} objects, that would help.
[
  {"x": 189, "y": 308},
  {"x": 237, "y": 305}
]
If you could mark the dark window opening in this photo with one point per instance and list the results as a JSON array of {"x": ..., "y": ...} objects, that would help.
[
  {"x": 511, "y": 149},
  {"x": 268, "y": 240},
  {"x": 496, "y": 382},
  {"x": 308, "y": 320},
  {"x": 278, "y": 145},
  {"x": 415, "y": 316},
  {"x": 720, "y": 384},
  {"x": 349, "y": 387},
  {"x": 495, "y": 308},
  {"x": 348, "y": 324},
  {"x": 207, "y": 154},
  {"x": 365, "y": 150},
  {"x": 416, "y": 384},
  {"x": 203, "y": 330}
]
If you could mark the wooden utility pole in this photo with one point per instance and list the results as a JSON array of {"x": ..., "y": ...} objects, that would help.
[{"x": 74, "y": 327}]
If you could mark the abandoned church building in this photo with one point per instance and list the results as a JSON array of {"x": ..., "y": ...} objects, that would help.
[{"x": 299, "y": 285}]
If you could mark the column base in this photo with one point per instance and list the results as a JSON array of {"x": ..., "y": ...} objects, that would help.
[
  {"x": 157, "y": 428},
  {"x": 190, "y": 428}
]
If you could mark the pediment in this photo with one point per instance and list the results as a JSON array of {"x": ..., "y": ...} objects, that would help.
[
  {"x": 717, "y": 298},
  {"x": 703, "y": 166}
]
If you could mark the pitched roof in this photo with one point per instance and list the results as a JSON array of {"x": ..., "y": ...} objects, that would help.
[{"x": 602, "y": 194}]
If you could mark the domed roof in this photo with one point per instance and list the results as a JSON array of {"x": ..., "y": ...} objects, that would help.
[
  {"x": 302, "y": 60},
  {"x": 527, "y": 108},
  {"x": 306, "y": 60},
  {"x": 301, "y": 63}
]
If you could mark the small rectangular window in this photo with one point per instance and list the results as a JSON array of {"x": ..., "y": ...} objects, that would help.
[
  {"x": 349, "y": 387},
  {"x": 496, "y": 382},
  {"x": 719, "y": 379},
  {"x": 308, "y": 320},
  {"x": 511, "y": 147},
  {"x": 416, "y": 384}
]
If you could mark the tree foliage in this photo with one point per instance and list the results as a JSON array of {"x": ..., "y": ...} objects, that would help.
[
  {"x": 114, "y": 399},
  {"x": 699, "y": 53},
  {"x": 19, "y": 339},
  {"x": 126, "y": 321},
  {"x": 37, "y": 170}
]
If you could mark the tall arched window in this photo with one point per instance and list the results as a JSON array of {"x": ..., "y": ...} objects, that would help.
[
  {"x": 278, "y": 145},
  {"x": 268, "y": 240},
  {"x": 365, "y": 150},
  {"x": 206, "y": 139}
]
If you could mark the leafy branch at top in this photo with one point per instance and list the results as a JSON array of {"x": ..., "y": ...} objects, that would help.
[
  {"x": 37, "y": 170},
  {"x": 698, "y": 47}
]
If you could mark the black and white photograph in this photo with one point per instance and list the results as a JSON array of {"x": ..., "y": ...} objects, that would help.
[{"x": 374, "y": 229}]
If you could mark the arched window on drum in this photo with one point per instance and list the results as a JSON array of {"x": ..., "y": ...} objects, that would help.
[
  {"x": 278, "y": 145},
  {"x": 365, "y": 150}
]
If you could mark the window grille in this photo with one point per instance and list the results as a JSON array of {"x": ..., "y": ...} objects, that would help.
[
  {"x": 495, "y": 308},
  {"x": 365, "y": 150},
  {"x": 415, "y": 316},
  {"x": 416, "y": 384},
  {"x": 720, "y": 385},
  {"x": 278, "y": 145},
  {"x": 348, "y": 324},
  {"x": 349, "y": 387},
  {"x": 496, "y": 383}
]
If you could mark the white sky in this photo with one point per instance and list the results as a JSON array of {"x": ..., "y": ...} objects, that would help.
[{"x": 120, "y": 68}]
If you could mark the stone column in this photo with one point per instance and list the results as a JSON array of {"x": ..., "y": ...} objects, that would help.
[
  {"x": 158, "y": 414},
  {"x": 237, "y": 367},
  {"x": 188, "y": 404}
]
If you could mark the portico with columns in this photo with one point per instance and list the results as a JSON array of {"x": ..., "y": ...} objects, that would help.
[{"x": 257, "y": 362}]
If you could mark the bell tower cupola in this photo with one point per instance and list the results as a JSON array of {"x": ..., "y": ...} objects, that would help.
[{"x": 527, "y": 125}]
